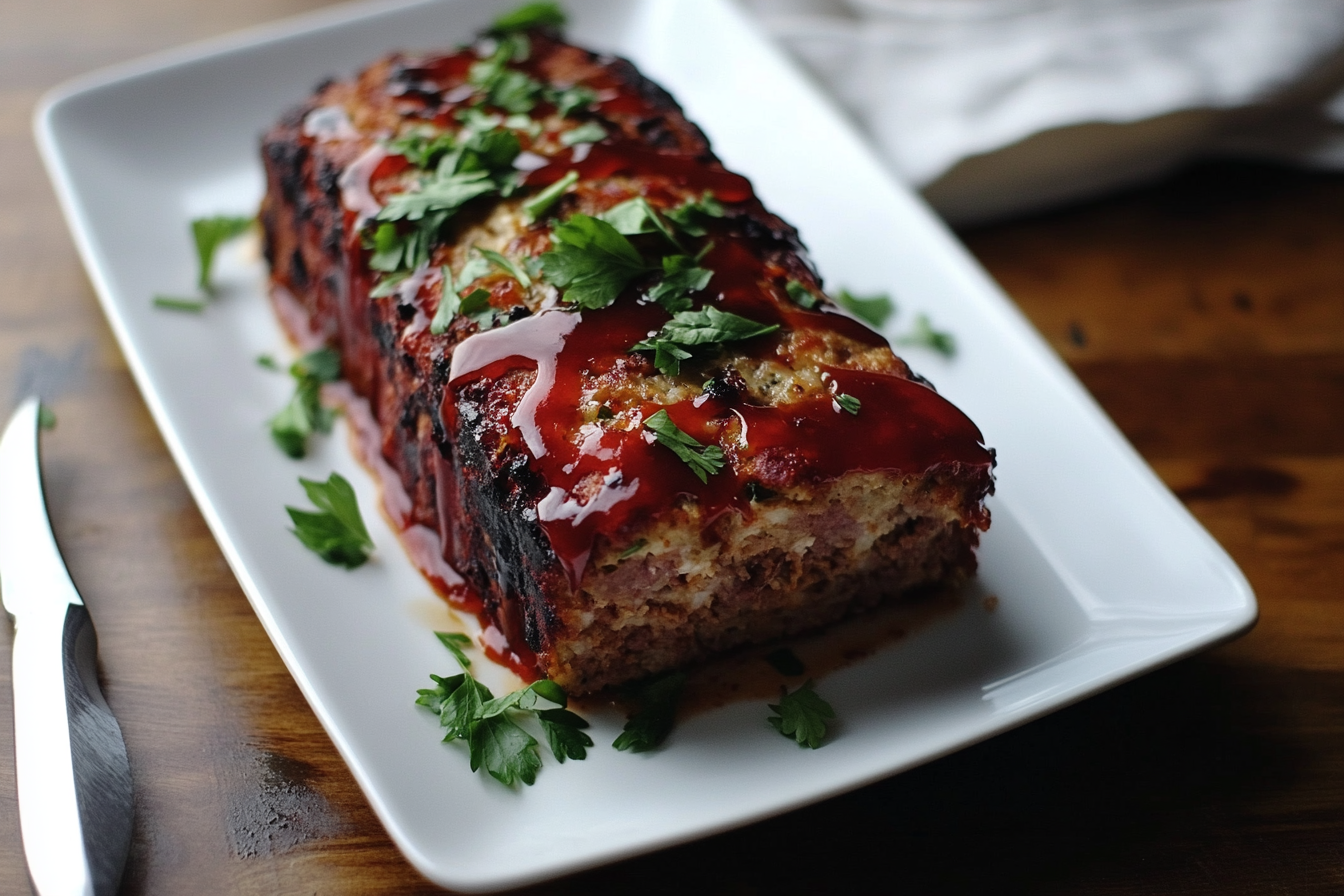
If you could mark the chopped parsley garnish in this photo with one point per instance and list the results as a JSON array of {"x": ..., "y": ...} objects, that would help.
[
  {"x": 785, "y": 661},
  {"x": 924, "y": 334},
  {"x": 468, "y": 711},
  {"x": 442, "y": 193},
  {"x": 874, "y": 309},
  {"x": 655, "y": 713},
  {"x": 530, "y": 15},
  {"x": 848, "y": 403},
  {"x": 691, "y": 216},
  {"x": 475, "y": 306},
  {"x": 209, "y": 234},
  {"x": 335, "y": 532},
  {"x": 591, "y": 262},
  {"x": 633, "y": 549},
  {"x": 705, "y": 326},
  {"x": 507, "y": 266},
  {"x": 800, "y": 295},
  {"x": 179, "y": 303},
  {"x": 588, "y": 132},
  {"x": 572, "y": 99},
  {"x": 304, "y": 415},
  {"x": 636, "y": 216},
  {"x": 802, "y": 715},
  {"x": 682, "y": 275},
  {"x": 541, "y": 203},
  {"x": 455, "y": 641},
  {"x": 422, "y": 147},
  {"x": 704, "y": 460}
]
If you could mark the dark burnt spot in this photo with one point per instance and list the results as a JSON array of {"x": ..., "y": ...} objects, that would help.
[
  {"x": 1230, "y": 482},
  {"x": 328, "y": 178},
  {"x": 385, "y": 336},
  {"x": 332, "y": 240},
  {"x": 406, "y": 312},
  {"x": 518, "y": 312},
  {"x": 727, "y": 384},
  {"x": 656, "y": 133},
  {"x": 287, "y": 157},
  {"x": 1076, "y": 334},
  {"x": 298, "y": 270}
]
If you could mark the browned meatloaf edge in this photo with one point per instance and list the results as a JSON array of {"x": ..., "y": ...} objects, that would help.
[{"x": 522, "y": 427}]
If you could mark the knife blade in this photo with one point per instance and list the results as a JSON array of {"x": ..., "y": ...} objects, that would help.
[{"x": 74, "y": 778}]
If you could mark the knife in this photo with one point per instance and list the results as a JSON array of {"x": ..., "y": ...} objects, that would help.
[{"x": 74, "y": 779}]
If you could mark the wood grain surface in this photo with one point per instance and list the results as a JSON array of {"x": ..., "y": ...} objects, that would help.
[{"x": 1206, "y": 313}]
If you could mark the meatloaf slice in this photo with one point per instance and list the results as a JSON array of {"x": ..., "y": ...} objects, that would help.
[{"x": 606, "y": 375}]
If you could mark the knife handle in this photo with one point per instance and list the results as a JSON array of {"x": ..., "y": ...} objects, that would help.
[{"x": 73, "y": 774}]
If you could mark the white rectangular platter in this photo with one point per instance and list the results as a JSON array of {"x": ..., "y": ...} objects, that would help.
[{"x": 1100, "y": 573}]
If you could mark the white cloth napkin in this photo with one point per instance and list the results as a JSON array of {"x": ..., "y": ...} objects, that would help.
[{"x": 994, "y": 107}]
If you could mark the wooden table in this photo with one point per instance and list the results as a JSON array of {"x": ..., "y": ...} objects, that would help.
[{"x": 1206, "y": 314}]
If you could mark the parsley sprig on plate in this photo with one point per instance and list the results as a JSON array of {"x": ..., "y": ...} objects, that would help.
[
  {"x": 335, "y": 531},
  {"x": 208, "y": 234},
  {"x": 654, "y": 715},
  {"x": 489, "y": 725},
  {"x": 304, "y": 414},
  {"x": 802, "y": 715}
]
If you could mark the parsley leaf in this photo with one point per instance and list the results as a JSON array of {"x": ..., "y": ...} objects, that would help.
[
  {"x": 655, "y": 713},
  {"x": 874, "y": 309},
  {"x": 467, "y": 711},
  {"x": 336, "y": 531},
  {"x": 682, "y": 276},
  {"x": 209, "y": 234},
  {"x": 507, "y": 266},
  {"x": 505, "y": 751},
  {"x": 848, "y": 403},
  {"x": 572, "y": 99},
  {"x": 422, "y": 147},
  {"x": 514, "y": 91},
  {"x": 692, "y": 215},
  {"x": 635, "y": 216},
  {"x": 179, "y": 303},
  {"x": 475, "y": 306},
  {"x": 800, "y": 295},
  {"x": 442, "y": 194},
  {"x": 633, "y": 549},
  {"x": 564, "y": 735},
  {"x": 455, "y": 641},
  {"x": 304, "y": 415},
  {"x": 706, "y": 326},
  {"x": 704, "y": 460},
  {"x": 530, "y": 15},
  {"x": 924, "y": 334},
  {"x": 588, "y": 132},
  {"x": 591, "y": 261},
  {"x": 803, "y": 716},
  {"x": 541, "y": 203}
]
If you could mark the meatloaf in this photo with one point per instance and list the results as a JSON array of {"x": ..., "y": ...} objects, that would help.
[{"x": 607, "y": 377}]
